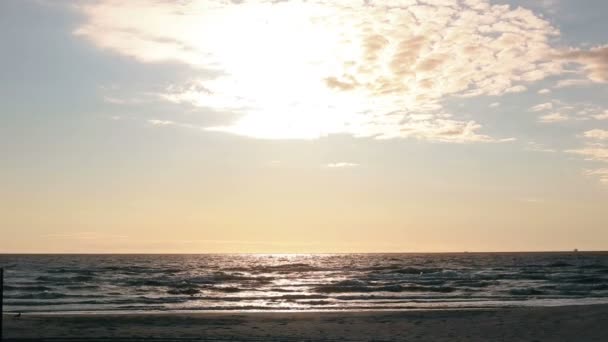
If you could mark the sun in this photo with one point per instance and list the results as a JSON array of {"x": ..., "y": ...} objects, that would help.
[{"x": 276, "y": 59}]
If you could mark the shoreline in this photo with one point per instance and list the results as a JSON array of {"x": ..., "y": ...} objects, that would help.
[
  {"x": 566, "y": 323},
  {"x": 530, "y": 303}
]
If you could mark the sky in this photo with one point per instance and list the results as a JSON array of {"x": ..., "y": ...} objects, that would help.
[{"x": 303, "y": 126}]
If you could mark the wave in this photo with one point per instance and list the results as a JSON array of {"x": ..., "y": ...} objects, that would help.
[
  {"x": 292, "y": 267},
  {"x": 581, "y": 288},
  {"x": 187, "y": 291},
  {"x": 559, "y": 264},
  {"x": 526, "y": 292},
  {"x": 594, "y": 266},
  {"x": 353, "y": 286},
  {"x": 303, "y": 296},
  {"x": 82, "y": 287},
  {"x": 64, "y": 280},
  {"x": 146, "y": 282},
  {"x": 221, "y": 277},
  {"x": 102, "y": 301},
  {"x": 26, "y": 288},
  {"x": 473, "y": 283},
  {"x": 419, "y": 271},
  {"x": 226, "y": 289},
  {"x": 71, "y": 270},
  {"x": 44, "y": 295},
  {"x": 588, "y": 280}
]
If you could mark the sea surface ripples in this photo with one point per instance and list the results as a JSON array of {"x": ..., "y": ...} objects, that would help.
[{"x": 91, "y": 283}]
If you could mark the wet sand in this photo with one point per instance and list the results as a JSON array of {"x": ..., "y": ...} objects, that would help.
[{"x": 572, "y": 323}]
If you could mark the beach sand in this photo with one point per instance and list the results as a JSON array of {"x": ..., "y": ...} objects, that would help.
[{"x": 572, "y": 323}]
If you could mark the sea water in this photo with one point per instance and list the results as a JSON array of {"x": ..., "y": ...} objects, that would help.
[{"x": 302, "y": 282}]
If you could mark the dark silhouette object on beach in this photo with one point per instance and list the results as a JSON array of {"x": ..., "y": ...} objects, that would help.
[{"x": 18, "y": 315}]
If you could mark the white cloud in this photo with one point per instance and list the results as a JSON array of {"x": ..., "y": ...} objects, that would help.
[
  {"x": 494, "y": 105},
  {"x": 592, "y": 152},
  {"x": 594, "y": 62},
  {"x": 121, "y": 101},
  {"x": 553, "y": 117},
  {"x": 169, "y": 123},
  {"x": 156, "y": 122},
  {"x": 601, "y": 116},
  {"x": 516, "y": 89},
  {"x": 544, "y": 91},
  {"x": 542, "y": 107},
  {"x": 341, "y": 165},
  {"x": 536, "y": 147},
  {"x": 299, "y": 69},
  {"x": 578, "y": 110},
  {"x": 597, "y": 134},
  {"x": 572, "y": 83},
  {"x": 595, "y": 150}
]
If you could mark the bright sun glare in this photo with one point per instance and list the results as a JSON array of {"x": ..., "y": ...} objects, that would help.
[
  {"x": 303, "y": 70},
  {"x": 277, "y": 58}
]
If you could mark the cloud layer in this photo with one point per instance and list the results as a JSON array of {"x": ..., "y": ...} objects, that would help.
[
  {"x": 594, "y": 61},
  {"x": 595, "y": 150},
  {"x": 307, "y": 69},
  {"x": 301, "y": 69}
]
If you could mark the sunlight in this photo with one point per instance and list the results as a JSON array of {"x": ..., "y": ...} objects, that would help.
[
  {"x": 303, "y": 70},
  {"x": 277, "y": 58}
]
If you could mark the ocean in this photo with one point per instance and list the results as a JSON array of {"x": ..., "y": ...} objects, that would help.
[{"x": 302, "y": 282}]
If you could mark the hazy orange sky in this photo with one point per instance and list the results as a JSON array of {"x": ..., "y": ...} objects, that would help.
[{"x": 303, "y": 126}]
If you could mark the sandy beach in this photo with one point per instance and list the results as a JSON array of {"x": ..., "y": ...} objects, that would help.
[{"x": 572, "y": 323}]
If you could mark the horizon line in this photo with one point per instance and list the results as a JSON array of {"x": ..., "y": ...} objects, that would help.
[{"x": 300, "y": 253}]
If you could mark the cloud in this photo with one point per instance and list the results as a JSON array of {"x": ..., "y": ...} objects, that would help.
[
  {"x": 169, "y": 123},
  {"x": 494, "y": 105},
  {"x": 341, "y": 165},
  {"x": 122, "y": 101},
  {"x": 553, "y": 117},
  {"x": 601, "y": 116},
  {"x": 572, "y": 83},
  {"x": 595, "y": 148},
  {"x": 156, "y": 122},
  {"x": 602, "y": 174},
  {"x": 542, "y": 107},
  {"x": 307, "y": 69},
  {"x": 516, "y": 89},
  {"x": 595, "y": 151},
  {"x": 594, "y": 61},
  {"x": 544, "y": 91},
  {"x": 576, "y": 110},
  {"x": 597, "y": 134},
  {"x": 536, "y": 147},
  {"x": 592, "y": 152}
]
